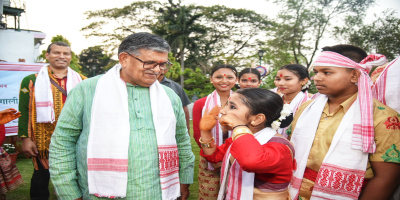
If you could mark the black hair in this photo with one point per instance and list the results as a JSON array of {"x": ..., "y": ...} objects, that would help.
[
  {"x": 58, "y": 44},
  {"x": 250, "y": 71},
  {"x": 214, "y": 69},
  {"x": 299, "y": 70},
  {"x": 350, "y": 51},
  {"x": 265, "y": 102},
  {"x": 134, "y": 42}
]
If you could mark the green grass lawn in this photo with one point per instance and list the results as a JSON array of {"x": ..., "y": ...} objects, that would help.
[{"x": 25, "y": 167}]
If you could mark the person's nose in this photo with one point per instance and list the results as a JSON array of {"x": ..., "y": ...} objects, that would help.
[
  {"x": 223, "y": 110},
  {"x": 157, "y": 69},
  {"x": 317, "y": 77}
]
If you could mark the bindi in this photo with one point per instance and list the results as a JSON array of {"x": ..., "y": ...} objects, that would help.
[
  {"x": 224, "y": 74},
  {"x": 249, "y": 78},
  {"x": 280, "y": 75}
]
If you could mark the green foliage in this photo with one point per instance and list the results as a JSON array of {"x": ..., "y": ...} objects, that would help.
[
  {"x": 197, "y": 84},
  {"x": 203, "y": 35},
  {"x": 268, "y": 81},
  {"x": 178, "y": 24},
  {"x": 174, "y": 73},
  {"x": 301, "y": 24},
  {"x": 94, "y": 61},
  {"x": 380, "y": 36},
  {"x": 74, "y": 59}
]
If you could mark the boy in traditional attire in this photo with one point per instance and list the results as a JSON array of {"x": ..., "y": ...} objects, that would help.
[{"x": 346, "y": 142}]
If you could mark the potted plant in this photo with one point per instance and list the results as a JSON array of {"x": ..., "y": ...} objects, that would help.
[{"x": 12, "y": 152}]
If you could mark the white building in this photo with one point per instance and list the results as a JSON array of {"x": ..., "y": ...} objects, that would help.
[{"x": 17, "y": 45}]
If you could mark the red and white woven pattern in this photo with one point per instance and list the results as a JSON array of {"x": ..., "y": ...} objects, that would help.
[
  {"x": 107, "y": 154},
  {"x": 332, "y": 59},
  {"x": 237, "y": 184},
  {"x": 44, "y": 95},
  {"x": 386, "y": 87}
]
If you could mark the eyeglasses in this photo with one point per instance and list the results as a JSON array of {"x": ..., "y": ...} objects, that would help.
[{"x": 153, "y": 64}]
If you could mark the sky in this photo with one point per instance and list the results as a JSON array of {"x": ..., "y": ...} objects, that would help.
[{"x": 55, "y": 17}]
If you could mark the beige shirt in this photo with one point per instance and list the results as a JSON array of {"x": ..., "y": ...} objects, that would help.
[{"x": 387, "y": 137}]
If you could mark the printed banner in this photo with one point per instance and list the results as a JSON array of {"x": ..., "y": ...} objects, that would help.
[{"x": 11, "y": 75}]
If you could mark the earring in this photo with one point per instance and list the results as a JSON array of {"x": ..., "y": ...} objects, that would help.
[{"x": 252, "y": 123}]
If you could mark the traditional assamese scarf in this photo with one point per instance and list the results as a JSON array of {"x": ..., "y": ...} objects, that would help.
[
  {"x": 44, "y": 95},
  {"x": 332, "y": 59},
  {"x": 235, "y": 182},
  {"x": 386, "y": 87},
  {"x": 213, "y": 100},
  {"x": 343, "y": 169},
  {"x": 108, "y": 143},
  {"x": 300, "y": 98}
]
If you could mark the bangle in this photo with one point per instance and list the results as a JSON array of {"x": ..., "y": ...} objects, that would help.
[
  {"x": 209, "y": 144},
  {"x": 239, "y": 125}
]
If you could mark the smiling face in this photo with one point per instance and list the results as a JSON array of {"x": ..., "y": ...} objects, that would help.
[
  {"x": 288, "y": 82},
  {"x": 223, "y": 79},
  {"x": 335, "y": 81},
  {"x": 249, "y": 80},
  {"x": 59, "y": 56},
  {"x": 132, "y": 69}
]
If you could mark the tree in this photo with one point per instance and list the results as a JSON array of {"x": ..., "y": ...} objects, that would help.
[
  {"x": 74, "y": 59},
  {"x": 203, "y": 35},
  {"x": 381, "y": 36},
  {"x": 174, "y": 71},
  {"x": 197, "y": 84},
  {"x": 233, "y": 36},
  {"x": 176, "y": 24},
  {"x": 94, "y": 61},
  {"x": 303, "y": 23}
]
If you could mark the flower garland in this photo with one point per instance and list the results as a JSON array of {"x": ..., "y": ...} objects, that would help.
[
  {"x": 305, "y": 86},
  {"x": 285, "y": 112}
]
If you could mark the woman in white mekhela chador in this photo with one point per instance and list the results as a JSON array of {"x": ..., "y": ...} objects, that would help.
[{"x": 292, "y": 81}]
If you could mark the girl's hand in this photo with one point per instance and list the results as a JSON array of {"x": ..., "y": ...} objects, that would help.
[
  {"x": 209, "y": 119},
  {"x": 8, "y": 115},
  {"x": 230, "y": 121}
]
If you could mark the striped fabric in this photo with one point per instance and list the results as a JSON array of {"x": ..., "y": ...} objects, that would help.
[
  {"x": 68, "y": 148},
  {"x": 10, "y": 178},
  {"x": 300, "y": 98},
  {"x": 44, "y": 94},
  {"x": 332, "y": 59},
  {"x": 213, "y": 100},
  {"x": 237, "y": 184},
  {"x": 386, "y": 87},
  {"x": 343, "y": 168}
]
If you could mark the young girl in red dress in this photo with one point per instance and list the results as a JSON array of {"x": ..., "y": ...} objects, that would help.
[{"x": 258, "y": 162}]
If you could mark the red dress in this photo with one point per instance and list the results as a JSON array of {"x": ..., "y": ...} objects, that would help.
[
  {"x": 197, "y": 114},
  {"x": 2, "y": 134},
  {"x": 271, "y": 162},
  {"x": 10, "y": 178}
]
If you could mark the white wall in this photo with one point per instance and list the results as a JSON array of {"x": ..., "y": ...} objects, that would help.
[{"x": 15, "y": 45}]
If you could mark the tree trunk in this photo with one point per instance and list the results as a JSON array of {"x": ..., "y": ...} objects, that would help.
[{"x": 182, "y": 57}]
